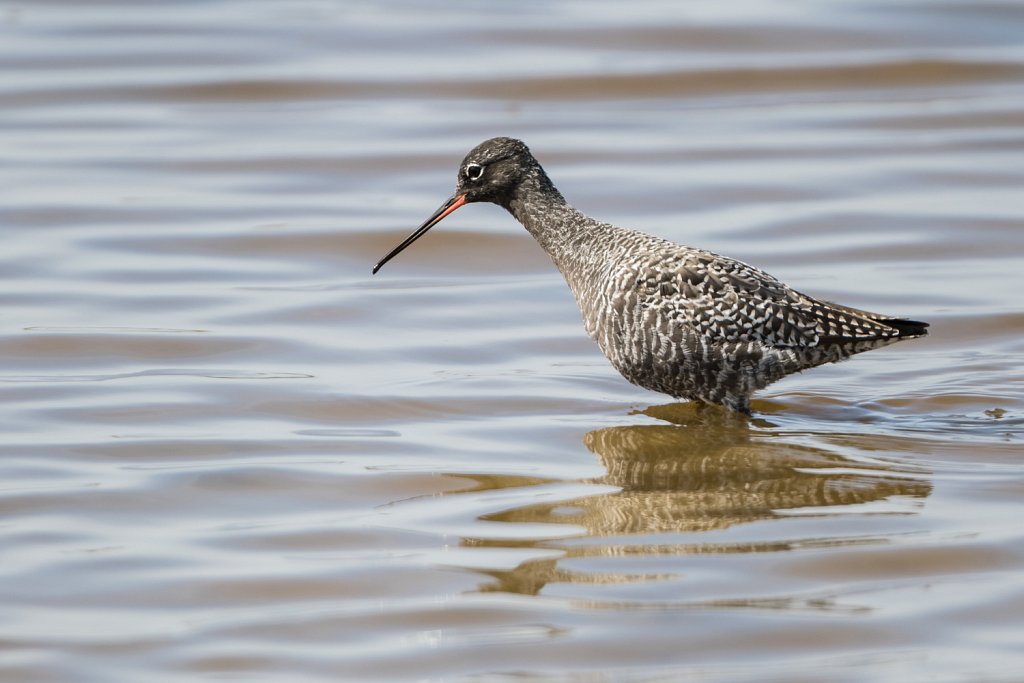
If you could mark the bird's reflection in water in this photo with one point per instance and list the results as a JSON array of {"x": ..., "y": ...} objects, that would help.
[{"x": 705, "y": 470}]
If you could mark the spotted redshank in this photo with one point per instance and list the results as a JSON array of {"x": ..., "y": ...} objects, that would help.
[{"x": 682, "y": 321}]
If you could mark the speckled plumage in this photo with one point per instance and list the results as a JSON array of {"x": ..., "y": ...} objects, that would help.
[{"x": 671, "y": 318}]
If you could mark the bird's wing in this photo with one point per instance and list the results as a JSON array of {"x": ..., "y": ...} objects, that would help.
[{"x": 729, "y": 300}]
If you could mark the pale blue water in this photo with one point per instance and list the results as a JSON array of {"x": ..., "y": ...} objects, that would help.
[{"x": 231, "y": 454}]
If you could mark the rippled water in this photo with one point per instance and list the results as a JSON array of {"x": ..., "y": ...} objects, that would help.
[{"x": 231, "y": 454}]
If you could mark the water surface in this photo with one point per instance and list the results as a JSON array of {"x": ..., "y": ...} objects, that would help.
[{"x": 231, "y": 454}]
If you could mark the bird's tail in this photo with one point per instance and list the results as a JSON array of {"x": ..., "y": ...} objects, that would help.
[{"x": 905, "y": 327}]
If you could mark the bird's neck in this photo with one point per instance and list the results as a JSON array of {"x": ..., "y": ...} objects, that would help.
[{"x": 559, "y": 228}]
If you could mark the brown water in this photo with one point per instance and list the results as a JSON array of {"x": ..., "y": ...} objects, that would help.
[{"x": 231, "y": 454}]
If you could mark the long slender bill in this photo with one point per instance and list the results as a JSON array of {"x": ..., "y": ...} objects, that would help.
[{"x": 454, "y": 202}]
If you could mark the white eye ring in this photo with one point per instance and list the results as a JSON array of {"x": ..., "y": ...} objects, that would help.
[{"x": 474, "y": 171}]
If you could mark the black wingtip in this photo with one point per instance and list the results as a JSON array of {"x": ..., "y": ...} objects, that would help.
[{"x": 908, "y": 328}]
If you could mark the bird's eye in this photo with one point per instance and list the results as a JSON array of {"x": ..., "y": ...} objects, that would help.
[{"x": 474, "y": 171}]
